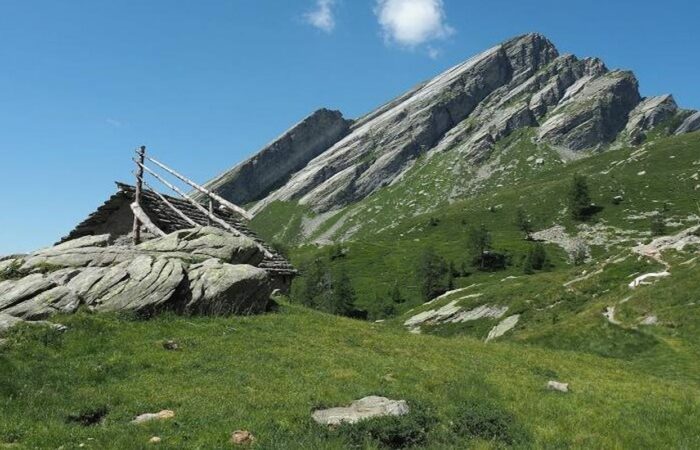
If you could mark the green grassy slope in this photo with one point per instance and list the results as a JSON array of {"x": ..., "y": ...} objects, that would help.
[{"x": 266, "y": 374}]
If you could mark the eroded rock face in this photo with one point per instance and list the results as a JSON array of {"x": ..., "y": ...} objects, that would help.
[
  {"x": 257, "y": 176},
  {"x": 198, "y": 271},
  {"x": 648, "y": 114},
  {"x": 594, "y": 113},
  {"x": 691, "y": 124},
  {"x": 221, "y": 289},
  {"x": 573, "y": 104}
]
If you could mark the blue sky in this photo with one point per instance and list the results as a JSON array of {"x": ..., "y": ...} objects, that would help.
[{"x": 206, "y": 83}]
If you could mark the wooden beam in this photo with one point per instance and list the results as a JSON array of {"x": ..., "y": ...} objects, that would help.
[
  {"x": 141, "y": 154},
  {"x": 182, "y": 215},
  {"x": 203, "y": 190},
  {"x": 146, "y": 221},
  {"x": 194, "y": 203}
]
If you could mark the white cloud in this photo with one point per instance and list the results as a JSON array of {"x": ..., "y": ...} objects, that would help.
[
  {"x": 412, "y": 22},
  {"x": 114, "y": 122},
  {"x": 322, "y": 16}
]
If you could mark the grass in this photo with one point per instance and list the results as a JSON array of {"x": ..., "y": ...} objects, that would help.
[{"x": 267, "y": 373}]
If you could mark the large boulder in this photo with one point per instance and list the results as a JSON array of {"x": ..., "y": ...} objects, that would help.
[
  {"x": 362, "y": 409},
  {"x": 219, "y": 289},
  {"x": 208, "y": 242},
  {"x": 203, "y": 270},
  {"x": 145, "y": 285}
]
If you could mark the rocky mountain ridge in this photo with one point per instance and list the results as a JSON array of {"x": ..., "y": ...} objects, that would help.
[{"x": 575, "y": 105}]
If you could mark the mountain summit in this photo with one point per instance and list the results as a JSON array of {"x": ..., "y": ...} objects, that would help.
[{"x": 569, "y": 104}]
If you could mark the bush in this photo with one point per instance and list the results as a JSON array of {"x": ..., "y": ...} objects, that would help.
[
  {"x": 432, "y": 274},
  {"x": 491, "y": 423},
  {"x": 479, "y": 245},
  {"x": 536, "y": 259},
  {"x": 658, "y": 225},
  {"x": 580, "y": 204},
  {"x": 406, "y": 431}
]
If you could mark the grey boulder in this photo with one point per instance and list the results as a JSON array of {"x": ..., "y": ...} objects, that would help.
[
  {"x": 207, "y": 242},
  {"x": 365, "y": 408},
  {"x": 220, "y": 289}
]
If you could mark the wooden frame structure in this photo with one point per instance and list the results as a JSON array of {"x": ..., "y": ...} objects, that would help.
[{"x": 141, "y": 219}]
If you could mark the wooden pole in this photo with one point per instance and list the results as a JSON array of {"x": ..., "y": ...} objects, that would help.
[
  {"x": 203, "y": 190},
  {"x": 141, "y": 155}
]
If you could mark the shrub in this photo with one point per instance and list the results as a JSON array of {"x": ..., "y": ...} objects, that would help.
[
  {"x": 489, "y": 422},
  {"x": 580, "y": 205},
  {"x": 658, "y": 225},
  {"x": 406, "y": 431},
  {"x": 432, "y": 272},
  {"x": 479, "y": 245}
]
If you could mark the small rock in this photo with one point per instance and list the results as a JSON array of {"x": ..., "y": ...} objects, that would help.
[
  {"x": 539, "y": 161},
  {"x": 148, "y": 417},
  {"x": 642, "y": 173},
  {"x": 242, "y": 437},
  {"x": 557, "y": 386},
  {"x": 171, "y": 345},
  {"x": 154, "y": 440},
  {"x": 365, "y": 408}
]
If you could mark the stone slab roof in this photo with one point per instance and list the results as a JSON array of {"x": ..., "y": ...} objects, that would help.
[{"x": 168, "y": 221}]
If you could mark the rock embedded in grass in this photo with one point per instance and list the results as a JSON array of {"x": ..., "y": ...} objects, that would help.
[
  {"x": 149, "y": 417},
  {"x": 557, "y": 386},
  {"x": 365, "y": 408},
  {"x": 242, "y": 437}
]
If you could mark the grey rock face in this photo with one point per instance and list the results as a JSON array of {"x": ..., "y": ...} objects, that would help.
[
  {"x": 574, "y": 105},
  {"x": 648, "y": 114},
  {"x": 272, "y": 166},
  {"x": 198, "y": 271},
  {"x": 690, "y": 124},
  {"x": 593, "y": 112},
  {"x": 383, "y": 145},
  {"x": 221, "y": 289},
  {"x": 365, "y": 408}
]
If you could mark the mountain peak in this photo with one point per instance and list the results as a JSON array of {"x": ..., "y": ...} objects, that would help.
[{"x": 573, "y": 104}]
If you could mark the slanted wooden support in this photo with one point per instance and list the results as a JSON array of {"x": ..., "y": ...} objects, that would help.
[
  {"x": 194, "y": 203},
  {"x": 203, "y": 190},
  {"x": 141, "y": 155},
  {"x": 162, "y": 198},
  {"x": 146, "y": 221}
]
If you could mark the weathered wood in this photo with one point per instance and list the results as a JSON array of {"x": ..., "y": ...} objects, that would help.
[
  {"x": 201, "y": 208},
  {"x": 146, "y": 222},
  {"x": 141, "y": 153},
  {"x": 203, "y": 190},
  {"x": 162, "y": 198},
  {"x": 211, "y": 208}
]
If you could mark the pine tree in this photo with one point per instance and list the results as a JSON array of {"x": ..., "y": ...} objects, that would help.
[
  {"x": 579, "y": 198},
  {"x": 479, "y": 244},
  {"x": 343, "y": 295},
  {"x": 431, "y": 273},
  {"x": 523, "y": 223},
  {"x": 395, "y": 294}
]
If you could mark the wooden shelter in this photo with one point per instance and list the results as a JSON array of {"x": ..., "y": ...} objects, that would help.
[{"x": 134, "y": 210}]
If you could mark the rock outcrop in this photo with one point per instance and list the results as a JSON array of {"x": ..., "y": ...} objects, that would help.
[
  {"x": 197, "y": 271},
  {"x": 574, "y": 105},
  {"x": 362, "y": 409},
  {"x": 692, "y": 123},
  {"x": 271, "y": 167}
]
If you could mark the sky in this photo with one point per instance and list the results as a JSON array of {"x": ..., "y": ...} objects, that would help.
[{"x": 205, "y": 84}]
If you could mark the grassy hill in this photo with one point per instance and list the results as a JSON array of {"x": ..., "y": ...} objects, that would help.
[
  {"x": 266, "y": 374},
  {"x": 634, "y": 381}
]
